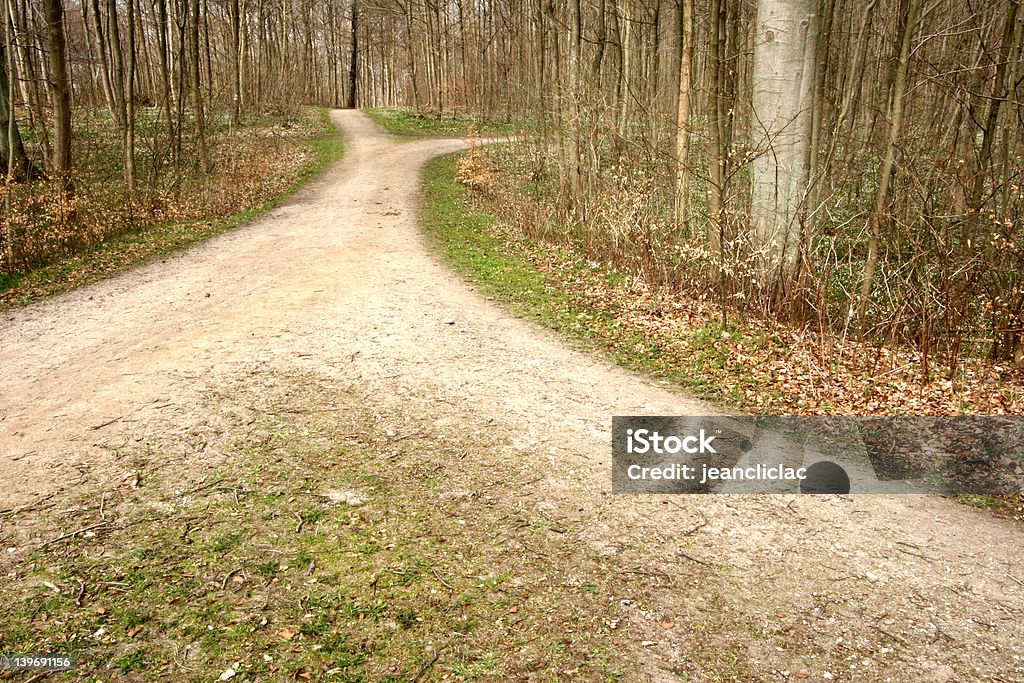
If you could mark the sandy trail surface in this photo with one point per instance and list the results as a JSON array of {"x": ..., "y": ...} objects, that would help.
[{"x": 339, "y": 282}]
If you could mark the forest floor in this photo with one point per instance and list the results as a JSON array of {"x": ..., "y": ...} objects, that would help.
[
  {"x": 304, "y": 450},
  {"x": 409, "y": 124},
  {"x": 255, "y": 167}
]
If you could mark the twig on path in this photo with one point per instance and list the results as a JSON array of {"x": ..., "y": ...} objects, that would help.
[
  {"x": 227, "y": 577},
  {"x": 74, "y": 533},
  {"x": 911, "y": 552},
  {"x": 700, "y": 525},
  {"x": 656, "y": 574},
  {"x": 1015, "y": 579},
  {"x": 10, "y": 512},
  {"x": 203, "y": 486},
  {"x": 302, "y": 522},
  {"x": 426, "y": 667},
  {"x": 108, "y": 422},
  {"x": 693, "y": 559},
  {"x": 24, "y": 455},
  {"x": 410, "y": 435},
  {"x": 441, "y": 579},
  {"x": 521, "y": 484},
  {"x": 891, "y": 636}
]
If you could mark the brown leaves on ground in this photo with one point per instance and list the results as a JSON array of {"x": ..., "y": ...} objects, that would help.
[
  {"x": 766, "y": 367},
  {"x": 753, "y": 364},
  {"x": 762, "y": 366}
]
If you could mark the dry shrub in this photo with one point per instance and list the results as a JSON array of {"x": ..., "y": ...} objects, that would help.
[{"x": 476, "y": 171}]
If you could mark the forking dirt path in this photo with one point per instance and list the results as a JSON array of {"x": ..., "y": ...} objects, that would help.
[{"x": 338, "y": 282}]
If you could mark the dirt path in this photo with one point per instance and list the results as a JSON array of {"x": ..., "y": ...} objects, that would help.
[{"x": 338, "y": 282}]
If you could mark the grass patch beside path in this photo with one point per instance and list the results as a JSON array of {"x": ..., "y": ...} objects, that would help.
[
  {"x": 140, "y": 245},
  {"x": 467, "y": 240},
  {"x": 332, "y": 542},
  {"x": 539, "y": 282},
  {"x": 411, "y": 124}
]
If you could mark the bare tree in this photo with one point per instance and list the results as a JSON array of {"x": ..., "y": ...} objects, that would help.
[
  {"x": 12, "y": 150},
  {"x": 60, "y": 92},
  {"x": 682, "y": 198},
  {"x": 783, "y": 76},
  {"x": 353, "y": 69},
  {"x": 895, "y": 115},
  {"x": 197, "y": 88}
]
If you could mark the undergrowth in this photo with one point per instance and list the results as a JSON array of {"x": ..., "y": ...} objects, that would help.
[
  {"x": 747, "y": 365},
  {"x": 65, "y": 243},
  {"x": 744, "y": 363},
  {"x": 411, "y": 124}
]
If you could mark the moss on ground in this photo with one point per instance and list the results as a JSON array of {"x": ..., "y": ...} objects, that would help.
[{"x": 332, "y": 544}]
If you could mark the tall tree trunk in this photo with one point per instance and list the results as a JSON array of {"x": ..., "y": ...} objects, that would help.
[
  {"x": 783, "y": 85},
  {"x": 205, "y": 12},
  {"x": 60, "y": 92},
  {"x": 197, "y": 89},
  {"x": 685, "y": 34},
  {"x": 413, "y": 62},
  {"x": 101, "y": 45},
  {"x": 117, "y": 78},
  {"x": 814, "y": 166},
  {"x": 244, "y": 56},
  {"x": 165, "y": 77},
  {"x": 11, "y": 148},
  {"x": 573, "y": 92},
  {"x": 144, "y": 65},
  {"x": 236, "y": 62},
  {"x": 129, "y": 129},
  {"x": 180, "y": 48},
  {"x": 719, "y": 148},
  {"x": 22, "y": 55},
  {"x": 439, "y": 34},
  {"x": 600, "y": 46},
  {"x": 723, "y": 54},
  {"x": 625, "y": 93},
  {"x": 353, "y": 66},
  {"x": 655, "y": 99}
]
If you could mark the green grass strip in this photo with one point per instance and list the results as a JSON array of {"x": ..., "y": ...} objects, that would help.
[{"x": 506, "y": 269}]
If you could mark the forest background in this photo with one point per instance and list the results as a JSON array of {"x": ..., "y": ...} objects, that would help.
[{"x": 850, "y": 169}]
